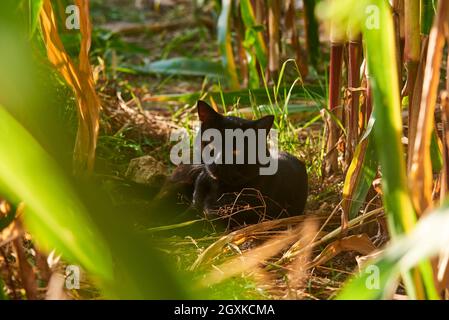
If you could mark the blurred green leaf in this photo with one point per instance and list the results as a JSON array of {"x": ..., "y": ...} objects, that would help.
[
  {"x": 254, "y": 43},
  {"x": 53, "y": 213},
  {"x": 35, "y": 9},
  {"x": 435, "y": 154},
  {"x": 255, "y": 30},
  {"x": 178, "y": 66},
  {"x": 427, "y": 14}
]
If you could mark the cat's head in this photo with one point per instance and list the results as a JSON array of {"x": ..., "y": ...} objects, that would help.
[{"x": 248, "y": 149}]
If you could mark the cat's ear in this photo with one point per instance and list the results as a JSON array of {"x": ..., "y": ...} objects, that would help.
[
  {"x": 206, "y": 113},
  {"x": 265, "y": 122}
]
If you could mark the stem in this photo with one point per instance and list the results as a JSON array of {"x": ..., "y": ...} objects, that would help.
[
  {"x": 355, "y": 50},
  {"x": 421, "y": 167},
  {"x": 273, "y": 34}
]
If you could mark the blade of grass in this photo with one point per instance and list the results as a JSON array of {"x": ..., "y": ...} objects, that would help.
[{"x": 53, "y": 213}]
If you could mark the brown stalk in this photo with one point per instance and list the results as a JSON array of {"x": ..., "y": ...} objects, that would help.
[
  {"x": 412, "y": 49},
  {"x": 420, "y": 178},
  {"x": 27, "y": 275},
  {"x": 398, "y": 19},
  {"x": 259, "y": 10},
  {"x": 274, "y": 14},
  {"x": 414, "y": 105},
  {"x": 241, "y": 52},
  {"x": 367, "y": 106},
  {"x": 355, "y": 54},
  {"x": 412, "y": 54},
  {"x": 79, "y": 78},
  {"x": 336, "y": 63},
  {"x": 445, "y": 142},
  {"x": 290, "y": 24},
  {"x": 445, "y": 136}
]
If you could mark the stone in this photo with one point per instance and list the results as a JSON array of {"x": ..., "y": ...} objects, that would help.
[{"x": 145, "y": 170}]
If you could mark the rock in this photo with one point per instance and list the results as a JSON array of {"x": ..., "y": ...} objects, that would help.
[{"x": 146, "y": 170}]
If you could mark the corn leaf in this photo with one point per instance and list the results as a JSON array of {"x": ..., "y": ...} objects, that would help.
[
  {"x": 35, "y": 7},
  {"x": 256, "y": 34},
  {"x": 178, "y": 66},
  {"x": 360, "y": 175},
  {"x": 243, "y": 96},
  {"x": 53, "y": 213}
]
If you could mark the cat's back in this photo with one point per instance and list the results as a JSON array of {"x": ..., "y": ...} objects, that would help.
[{"x": 290, "y": 183}]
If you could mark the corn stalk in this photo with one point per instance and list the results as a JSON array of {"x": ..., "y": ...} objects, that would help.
[
  {"x": 336, "y": 63},
  {"x": 274, "y": 16},
  {"x": 420, "y": 177},
  {"x": 412, "y": 55},
  {"x": 79, "y": 78}
]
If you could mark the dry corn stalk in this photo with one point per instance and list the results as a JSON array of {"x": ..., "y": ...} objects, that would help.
[
  {"x": 421, "y": 178},
  {"x": 79, "y": 78}
]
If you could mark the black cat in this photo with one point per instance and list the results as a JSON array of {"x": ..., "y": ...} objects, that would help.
[{"x": 237, "y": 192}]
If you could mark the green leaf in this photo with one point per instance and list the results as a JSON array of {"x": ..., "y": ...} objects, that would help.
[
  {"x": 52, "y": 213},
  {"x": 435, "y": 154},
  {"x": 35, "y": 7},
  {"x": 254, "y": 31},
  {"x": 244, "y": 96},
  {"x": 178, "y": 66},
  {"x": 427, "y": 15}
]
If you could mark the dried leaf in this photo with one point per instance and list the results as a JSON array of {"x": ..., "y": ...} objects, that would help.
[
  {"x": 250, "y": 259},
  {"x": 80, "y": 78},
  {"x": 360, "y": 243},
  {"x": 420, "y": 177}
]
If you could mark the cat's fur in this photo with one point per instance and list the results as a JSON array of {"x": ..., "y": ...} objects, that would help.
[{"x": 237, "y": 191}]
